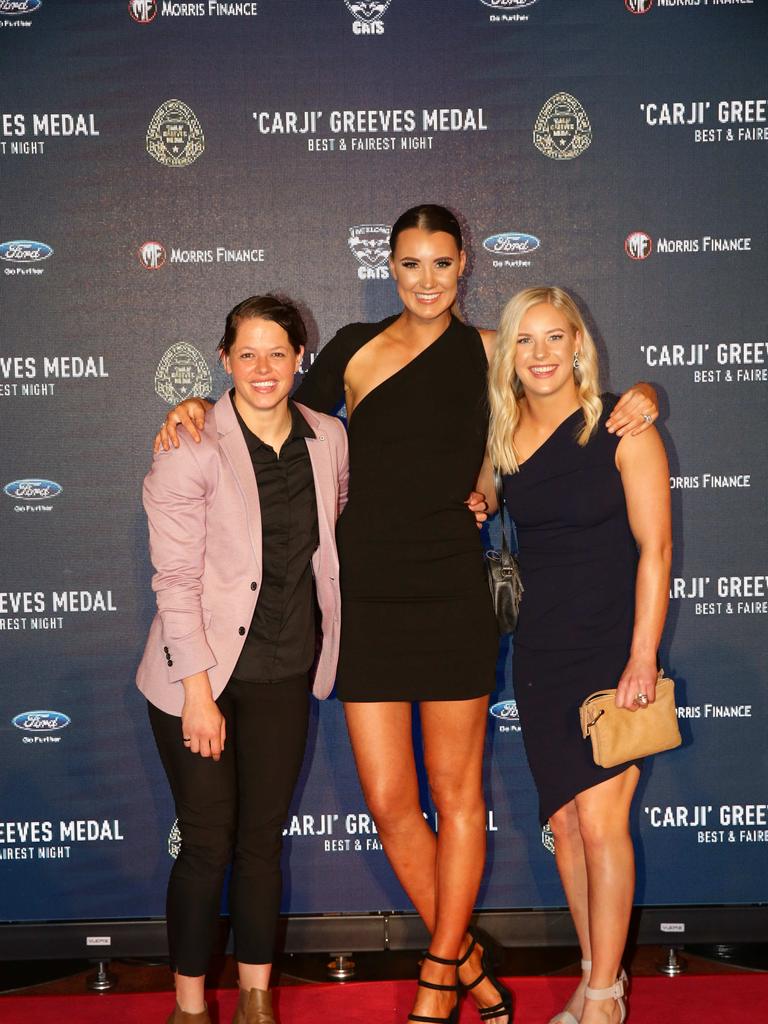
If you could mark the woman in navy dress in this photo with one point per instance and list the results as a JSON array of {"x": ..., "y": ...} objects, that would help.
[{"x": 592, "y": 512}]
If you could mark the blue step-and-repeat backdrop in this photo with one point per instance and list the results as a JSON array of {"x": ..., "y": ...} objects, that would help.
[{"x": 161, "y": 161}]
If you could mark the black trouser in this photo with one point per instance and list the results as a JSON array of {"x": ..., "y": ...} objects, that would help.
[{"x": 233, "y": 810}]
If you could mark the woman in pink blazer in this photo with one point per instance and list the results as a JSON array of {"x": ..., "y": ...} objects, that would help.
[{"x": 241, "y": 533}]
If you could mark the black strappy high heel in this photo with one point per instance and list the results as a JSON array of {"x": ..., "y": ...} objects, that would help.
[
  {"x": 491, "y": 960},
  {"x": 453, "y": 1016}
]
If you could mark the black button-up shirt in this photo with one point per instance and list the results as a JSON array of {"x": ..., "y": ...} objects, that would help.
[{"x": 281, "y": 637}]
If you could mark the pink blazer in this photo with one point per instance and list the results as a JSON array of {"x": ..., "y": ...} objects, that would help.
[{"x": 202, "y": 503}]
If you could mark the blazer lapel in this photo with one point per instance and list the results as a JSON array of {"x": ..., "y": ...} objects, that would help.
[
  {"x": 232, "y": 444},
  {"x": 319, "y": 455}
]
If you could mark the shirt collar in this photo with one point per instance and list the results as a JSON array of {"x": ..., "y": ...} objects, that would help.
[{"x": 299, "y": 427}]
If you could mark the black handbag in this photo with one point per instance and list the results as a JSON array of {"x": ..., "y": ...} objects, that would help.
[{"x": 504, "y": 574}]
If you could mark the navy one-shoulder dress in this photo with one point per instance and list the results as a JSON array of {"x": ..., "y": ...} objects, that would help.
[
  {"x": 417, "y": 619},
  {"x": 578, "y": 562}
]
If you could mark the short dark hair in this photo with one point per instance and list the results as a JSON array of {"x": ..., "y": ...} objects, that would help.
[
  {"x": 427, "y": 217},
  {"x": 265, "y": 307}
]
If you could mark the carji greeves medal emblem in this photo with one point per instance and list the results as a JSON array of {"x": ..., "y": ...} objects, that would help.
[
  {"x": 562, "y": 130},
  {"x": 174, "y": 136},
  {"x": 182, "y": 373}
]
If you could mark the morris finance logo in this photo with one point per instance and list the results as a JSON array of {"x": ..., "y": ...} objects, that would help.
[
  {"x": 182, "y": 373},
  {"x": 152, "y": 255},
  {"x": 369, "y": 244},
  {"x": 562, "y": 130},
  {"x": 174, "y": 136},
  {"x": 41, "y": 721},
  {"x": 142, "y": 11},
  {"x": 638, "y": 6},
  {"x": 638, "y": 245},
  {"x": 367, "y": 15}
]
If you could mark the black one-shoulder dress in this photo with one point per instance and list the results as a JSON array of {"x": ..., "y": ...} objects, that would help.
[
  {"x": 578, "y": 562},
  {"x": 417, "y": 619}
]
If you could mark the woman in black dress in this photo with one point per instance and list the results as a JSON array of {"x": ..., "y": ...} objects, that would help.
[
  {"x": 592, "y": 512},
  {"x": 417, "y": 622}
]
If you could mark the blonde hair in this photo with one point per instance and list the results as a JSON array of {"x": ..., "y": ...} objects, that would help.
[{"x": 505, "y": 388}]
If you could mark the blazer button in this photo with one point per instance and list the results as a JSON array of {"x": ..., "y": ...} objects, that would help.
[
  {"x": 169, "y": 663},
  {"x": 241, "y": 631},
  {"x": 254, "y": 585},
  {"x": 166, "y": 650}
]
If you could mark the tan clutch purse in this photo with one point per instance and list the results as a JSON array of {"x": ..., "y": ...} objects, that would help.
[{"x": 619, "y": 735}]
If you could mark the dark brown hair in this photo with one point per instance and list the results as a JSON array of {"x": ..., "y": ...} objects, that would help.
[
  {"x": 265, "y": 307},
  {"x": 427, "y": 217}
]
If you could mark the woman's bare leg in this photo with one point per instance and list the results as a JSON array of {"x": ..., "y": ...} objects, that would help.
[
  {"x": 603, "y": 812},
  {"x": 572, "y": 867},
  {"x": 381, "y": 736}
]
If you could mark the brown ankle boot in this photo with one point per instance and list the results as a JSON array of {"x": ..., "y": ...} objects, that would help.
[
  {"x": 254, "y": 1007},
  {"x": 180, "y": 1017}
]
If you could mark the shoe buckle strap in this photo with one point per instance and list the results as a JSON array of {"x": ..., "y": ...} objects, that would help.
[{"x": 616, "y": 991}]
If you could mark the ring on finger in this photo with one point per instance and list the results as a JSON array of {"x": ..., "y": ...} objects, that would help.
[
  {"x": 648, "y": 417},
  {"x": 641, "y": 699}
]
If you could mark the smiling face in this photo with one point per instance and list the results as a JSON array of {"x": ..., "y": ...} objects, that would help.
[
  {"x": 546, "y": 344},
  {"x": 426, "y": 266},
  {"x": 262, "y": 362}
]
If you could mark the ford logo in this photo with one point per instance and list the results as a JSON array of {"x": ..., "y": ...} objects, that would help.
[
  {"x": 41, "y": 721},
  {"x": 20, "y": 6},
  {"x": 508, "y": 5},
  {"x": 33, "y": 489},
  {"x": 22, "y": 251},
  {"x": 511, "y": 243},
  {"x": 506, "y": 710}
]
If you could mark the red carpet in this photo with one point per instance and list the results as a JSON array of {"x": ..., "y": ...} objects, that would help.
[{"x": 719, "y": 999}]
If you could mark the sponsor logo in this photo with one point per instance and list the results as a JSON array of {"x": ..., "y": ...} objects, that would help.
[
  {"x": 174, "y": 136},
  {"x": 41, "y": 721},
  {"x": 152, "y": 255},
  {"x": 508, "y": 715},
  {"x": 638, "y": 6},
  {"x": 98, "y": 940},
  {"x": 24, "y": 251},
  {"x": 369, "y": 244},
  {"x": 562, "y": 130},
  {"x": 638, "y": 245},
  {"x": 32, "y": 489},
  {"x": 142, "y": 11},
  {"x": 511, "y": 243},
  {"x": 14, "y": 7},
  {"x": 508, "y": 5},
  {"x": 506, "y": 710},
  {"x": 174, "y": 840},
  {"x": 367, "y": 15},
  {"x": 548, "y": 839},
  {"x": 182, "y": 373}
]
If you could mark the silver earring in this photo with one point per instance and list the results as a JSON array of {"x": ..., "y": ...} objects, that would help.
[{"x": 575, "y": 360}]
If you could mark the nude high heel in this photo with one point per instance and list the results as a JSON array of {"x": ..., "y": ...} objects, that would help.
[
  {"x": 565, "y": 1016},
  {"x": 616, "y": 991}
]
